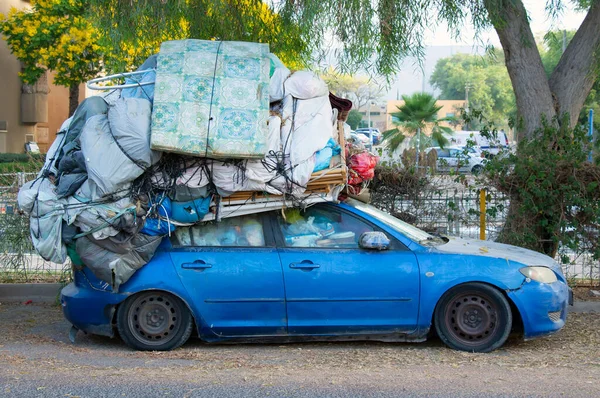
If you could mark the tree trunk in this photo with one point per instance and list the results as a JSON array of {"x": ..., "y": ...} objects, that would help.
[
  {"x": 538, "y": 96},
  {"x": 523, "y": 63},
  {"x": 73, "y": 98},
  {"x": 575, "y": 73}
]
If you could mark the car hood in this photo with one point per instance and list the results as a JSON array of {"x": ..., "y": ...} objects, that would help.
[{"x": 497, "y": 250}]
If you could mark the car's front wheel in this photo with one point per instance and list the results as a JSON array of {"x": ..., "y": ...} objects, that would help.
[
  {"x": 154, "y": 321},
  {"x": 473, "y": 317}
]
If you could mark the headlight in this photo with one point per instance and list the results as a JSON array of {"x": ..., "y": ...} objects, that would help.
[{"x": 539, "y": 274}]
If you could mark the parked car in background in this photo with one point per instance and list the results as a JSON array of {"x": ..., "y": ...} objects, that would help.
[
  {"x": 360, "y": 138},
  {"x": 489, "y": 147},
  {"x": 460, "y": 159},
  {"x": 344, "y": 271},
  {"x": 372, "y": 133}
]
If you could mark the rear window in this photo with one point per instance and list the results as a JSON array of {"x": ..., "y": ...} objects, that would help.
[{"x": 244, "y": 231}]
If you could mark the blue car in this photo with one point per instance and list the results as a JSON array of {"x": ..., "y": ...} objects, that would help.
[{"x": 333, "y": 271}]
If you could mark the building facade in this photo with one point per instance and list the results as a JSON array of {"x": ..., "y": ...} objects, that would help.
[
  {"x": 380, "y": 115},
  {"x": 27, "y": 113},
  {"x": 450, "y": 108}
]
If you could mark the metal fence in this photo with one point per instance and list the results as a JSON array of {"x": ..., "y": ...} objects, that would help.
[
  {"x": 455, "y": 211},
  {"x": 450, "y": 209},
  {"x": 19, "y": 262}
]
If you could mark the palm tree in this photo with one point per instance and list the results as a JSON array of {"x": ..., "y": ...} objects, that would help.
[{"x": 418, "y": 113}]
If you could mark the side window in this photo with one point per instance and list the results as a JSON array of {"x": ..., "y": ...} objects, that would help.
[
  {"x": 321, "y": 226},
  {"x": 243, "y": 231},
  {"x": 455, "y": 153},
  {"x": 443, "y": 153}
]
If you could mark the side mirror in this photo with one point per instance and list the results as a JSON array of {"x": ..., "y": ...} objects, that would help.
[{"x": 374, "y": 241}]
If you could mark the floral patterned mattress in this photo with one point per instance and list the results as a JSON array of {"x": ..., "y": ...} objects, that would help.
[{"x": 211, "y": 99}]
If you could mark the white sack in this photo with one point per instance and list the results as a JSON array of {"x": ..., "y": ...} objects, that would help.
[
  {"x": 305, "y": 85},
  {"x": 40, "y": 188},
  {"x": 280, "y": 74},
  {"x": 311, "y": 129},
  {"x": 129, "y": 120},
  {"x": 45, "y": 224},
  {"x": 306, "y": 128},
  {"x": 107, "y": 164},
  {"x": 51, "y": 156}
]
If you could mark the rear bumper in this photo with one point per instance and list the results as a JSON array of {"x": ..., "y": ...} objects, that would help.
[
  {"x": 90, "y": 310},
  {"x": 543, "y": 307}
]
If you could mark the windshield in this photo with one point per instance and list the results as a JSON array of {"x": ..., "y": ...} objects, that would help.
[{"x": 406, "y": 229}]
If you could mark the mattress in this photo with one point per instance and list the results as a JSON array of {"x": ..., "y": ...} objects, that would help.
[{"x": 211, "y": 99}]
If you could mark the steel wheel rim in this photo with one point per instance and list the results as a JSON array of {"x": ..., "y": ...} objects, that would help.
[
  {"x": 471, "y": 319},
  {"x": 154, "y": 319}
]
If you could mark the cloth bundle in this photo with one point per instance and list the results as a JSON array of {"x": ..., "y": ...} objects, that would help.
[{"x": 125, "y": 170}]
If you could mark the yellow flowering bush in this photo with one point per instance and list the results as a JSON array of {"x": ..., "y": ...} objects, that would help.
[{"x": 54, "y": 35}]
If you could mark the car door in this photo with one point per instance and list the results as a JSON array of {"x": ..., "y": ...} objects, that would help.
[
  {"x": 334, "y": 287},
  {"x": 461, "y": 160},
  {"x": 444, "y": 161},
  {"x": 232, "y": 271}
]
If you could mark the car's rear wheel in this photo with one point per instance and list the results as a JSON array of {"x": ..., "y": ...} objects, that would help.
[
  {"x": 154, "y": 321},
  {"x": 473, "y": 317},
  {"x": 476, "y": 169}
]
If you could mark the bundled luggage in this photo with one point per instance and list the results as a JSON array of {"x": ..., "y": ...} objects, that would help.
[{"x": 203, "y": 131}]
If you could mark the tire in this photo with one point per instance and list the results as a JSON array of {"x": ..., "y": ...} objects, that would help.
[
  {"x": 476, "y": 169},
  {"x": 154, "y": 321},
  {"x": 485, "y": 314}
]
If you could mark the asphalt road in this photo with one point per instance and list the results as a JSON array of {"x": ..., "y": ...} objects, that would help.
[{"x": 37, "y": 360}]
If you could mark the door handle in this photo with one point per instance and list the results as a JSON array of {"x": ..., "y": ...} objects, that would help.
[
  {"x": 198, "y": 264},
  {"x": 306, "y": 264}
]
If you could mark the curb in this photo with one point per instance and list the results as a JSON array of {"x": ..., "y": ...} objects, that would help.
[
  {"x": 585, "y": 306},
  {"x": 36, "y": 292}
]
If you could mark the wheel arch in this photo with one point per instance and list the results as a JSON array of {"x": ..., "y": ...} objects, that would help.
[
  {"x": 517, "y": 326},
  {"x": 196, "y": 321}
]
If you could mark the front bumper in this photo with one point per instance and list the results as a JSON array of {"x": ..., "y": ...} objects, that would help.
[
  {"x": 543, "y": 307},
  {"x": 88, "y": 309}
]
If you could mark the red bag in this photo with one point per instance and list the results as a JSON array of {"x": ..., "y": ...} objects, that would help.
[
  {"x": 364, "y": 165},
  {"x": 354, "y": 178}
]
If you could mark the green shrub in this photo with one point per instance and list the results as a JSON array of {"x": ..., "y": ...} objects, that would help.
[{"x": 21, "y": 157}]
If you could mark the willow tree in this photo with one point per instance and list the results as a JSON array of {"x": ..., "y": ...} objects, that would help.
[
  {"x": 377, "y": 34},
  {"x": 135, "y": 28},
  {"x": 380, "y": 33}
]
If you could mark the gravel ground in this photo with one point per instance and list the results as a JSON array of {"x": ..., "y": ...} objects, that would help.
[{"x": 38, "y": 361}]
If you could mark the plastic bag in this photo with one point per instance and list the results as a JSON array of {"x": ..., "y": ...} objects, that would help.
[
  {"x": 117, "y": 146},
  {"x": 191, "y": 211},
  {"x": 40, "y": 188},
  {"x": 117, "y": 268},
  {"x": 145, "y": 91},
  {"x": 323, "y": 157},
  {"x": 279, "y": 73},
  {"x": 364, "y": 165},
  {"x": 305, "y": 85}
]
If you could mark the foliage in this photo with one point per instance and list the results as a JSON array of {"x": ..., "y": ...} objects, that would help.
[
  {"x": 136, "y": 28},
  {"x": 354, "y": 118},
  {"x": 554, "y": 190},
  {"x": 360, "y": 89},
  {"x": 53, "y": 35},
  {"x": 414, "y": 117},
  {"x": 21, "y": 158},
  {"x": 490, "y": 87},
  {"x": 393, "y": 183}
]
